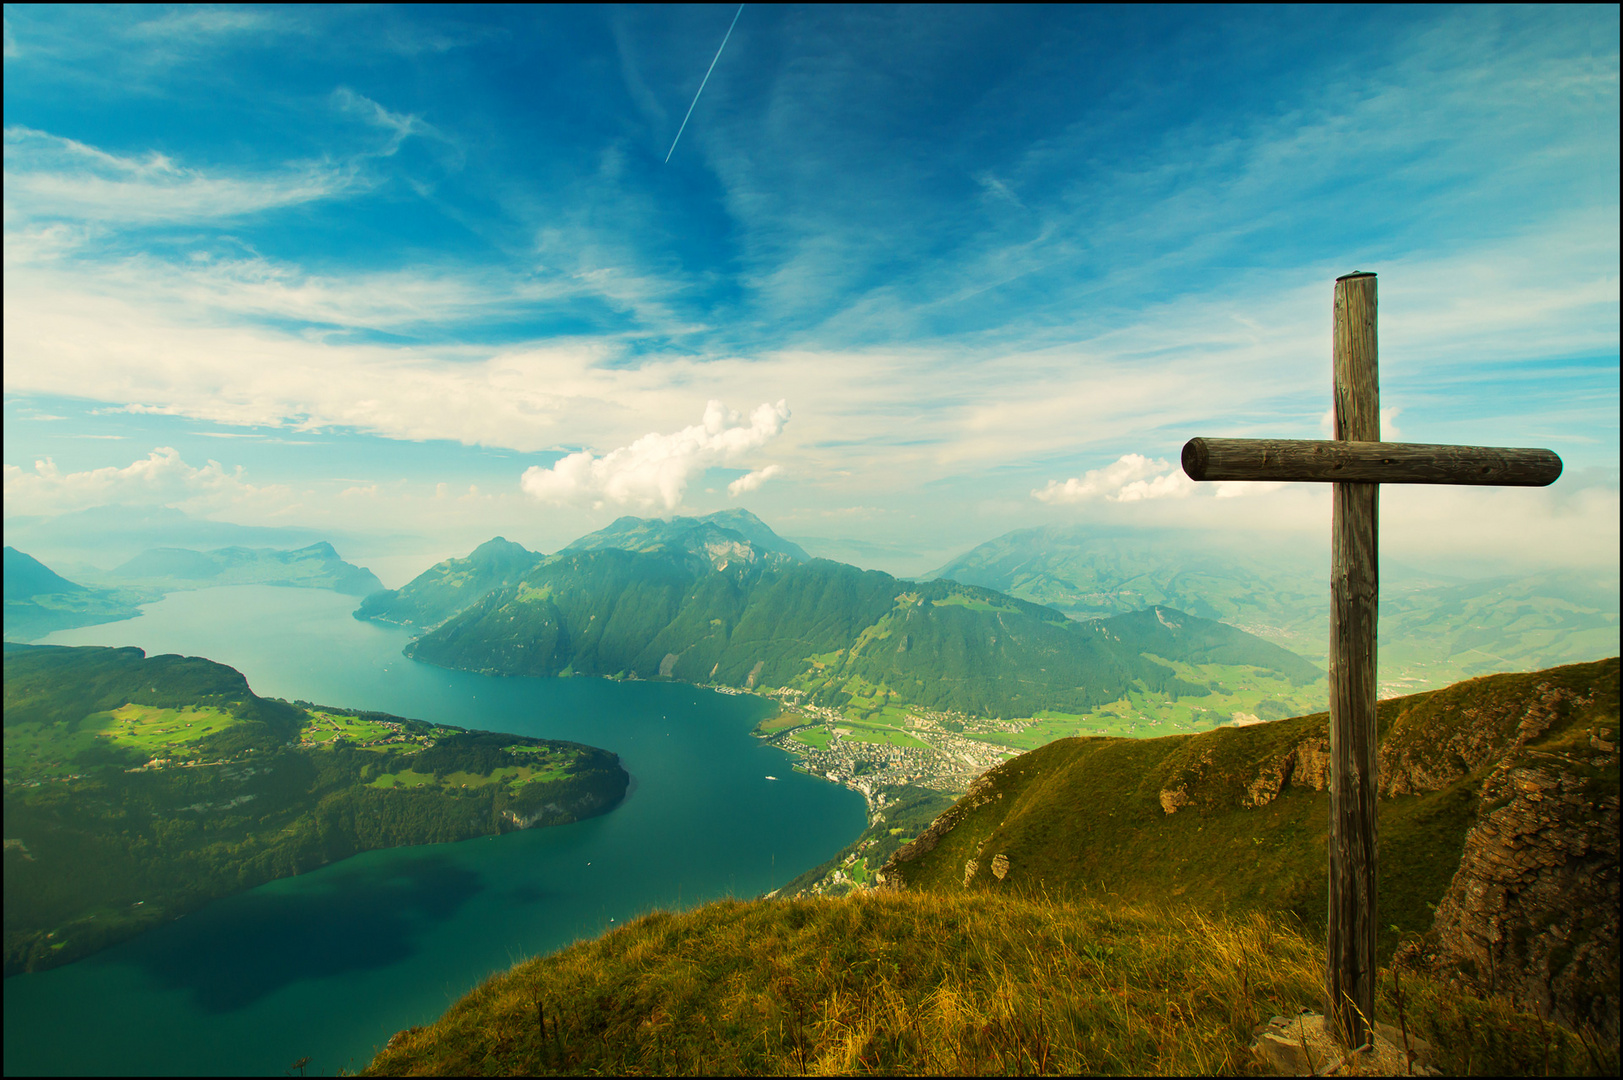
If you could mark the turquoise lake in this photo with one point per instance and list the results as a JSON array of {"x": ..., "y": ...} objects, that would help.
[{"x": 329, "y": 964}]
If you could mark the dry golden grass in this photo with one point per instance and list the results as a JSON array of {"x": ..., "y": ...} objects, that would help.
[{"x": 917, "y": 984}]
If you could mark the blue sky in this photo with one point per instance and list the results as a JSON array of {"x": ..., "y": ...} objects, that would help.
[{"x": 946, "y": 272}]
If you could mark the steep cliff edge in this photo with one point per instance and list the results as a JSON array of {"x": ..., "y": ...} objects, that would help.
[{"x": 1532, "y": 911}]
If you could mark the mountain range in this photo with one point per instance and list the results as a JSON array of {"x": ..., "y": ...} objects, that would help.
[
  {"x": 39, "y": 600},
  {"x": 723, "y": 600},
  {"x": 317, "y": 566},
  {"x": 1434, "y": 630}
]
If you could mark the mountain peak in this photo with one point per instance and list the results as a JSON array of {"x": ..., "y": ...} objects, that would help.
[
  {"x": 699, "y": 535},
  {"x": 500, "y": 545}
]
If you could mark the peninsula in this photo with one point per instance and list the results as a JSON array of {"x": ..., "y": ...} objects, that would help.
[{"x": 140, "y": 788}]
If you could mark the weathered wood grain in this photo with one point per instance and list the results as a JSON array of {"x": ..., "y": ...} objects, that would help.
[
  {"x": 1368, "y": 462},
  {"x": 1354, "y": 589},
  {"x": 1357, "y": 462}
]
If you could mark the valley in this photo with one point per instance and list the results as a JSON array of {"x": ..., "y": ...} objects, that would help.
[{"x": 884, "y": 685}]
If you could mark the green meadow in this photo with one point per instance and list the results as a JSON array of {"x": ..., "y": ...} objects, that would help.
[
  {"x": 548, "y": 768},
  {"x": 1234, "y": 691},
  {"x": 40, "y": 751},
  {"x": 815, "y": 737},
  {"x": 882, "y": 734},
  {"x": 324, "y": 727}
]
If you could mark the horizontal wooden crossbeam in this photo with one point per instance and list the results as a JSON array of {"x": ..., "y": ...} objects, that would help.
[{"x": 1367, "y": 462}]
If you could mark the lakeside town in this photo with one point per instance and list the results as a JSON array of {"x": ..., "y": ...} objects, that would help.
[{"x": 930, "y": 751}]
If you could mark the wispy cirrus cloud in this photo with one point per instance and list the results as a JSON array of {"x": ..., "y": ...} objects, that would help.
[
  {"x": 970, "y": 287},
  {"x": 48, "y": 177}
]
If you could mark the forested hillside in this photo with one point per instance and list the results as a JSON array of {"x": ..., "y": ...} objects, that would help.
[
  {"x": 139, "y": 788},
  {"x": 447, "y": 587},
  {"x": 830, "y": 631}
]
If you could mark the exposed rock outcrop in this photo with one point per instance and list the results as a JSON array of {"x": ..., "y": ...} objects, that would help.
[
  {"x": 979, "y": 794},
  {"x": 1173, "y": 798},
  {"x": 1533, "y": 910},
  {"x": 1307, "y": 764}
]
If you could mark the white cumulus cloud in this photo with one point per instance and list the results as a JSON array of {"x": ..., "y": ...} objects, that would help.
[
  {"x": 1135, "y": 478},
  {"x": 1130, "y": 471},
  {"x": 163, "y": 477},
  {"x": 1172, "y": 485},
  {"x": 653, "y": 473},
  {"x": 753, "y": 480}
]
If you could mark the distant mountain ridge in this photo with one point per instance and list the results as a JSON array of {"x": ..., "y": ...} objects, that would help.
[
  {"x": 1432, "y": 630},
  {"x": 102, "y": 534},
  {"x": 40, "y": 601},
  {"x": 1091, "y": 573},
  {"x": 700, "y": 600},
  {"x": 317, "y": 566},
  {"x": 27, "y": 577},
  {"x": 718, "y": 537}
]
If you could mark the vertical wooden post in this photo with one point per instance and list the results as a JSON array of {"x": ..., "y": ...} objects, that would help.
[{"x": 1350, "y": 975}]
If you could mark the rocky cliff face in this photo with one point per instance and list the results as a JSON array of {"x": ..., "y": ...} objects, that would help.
[{"x": 1533, "y": 910}]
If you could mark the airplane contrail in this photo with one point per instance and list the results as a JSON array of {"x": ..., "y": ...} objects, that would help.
[{"x": 706, "y": 79}]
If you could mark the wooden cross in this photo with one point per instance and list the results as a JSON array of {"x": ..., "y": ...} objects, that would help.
[{"x": 1357, "y": 462}]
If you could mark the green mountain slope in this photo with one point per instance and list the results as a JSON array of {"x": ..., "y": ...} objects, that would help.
[
  {"x": 829, "y": 631},
  {"x": 139, "y": 788},
  {"x": 1508, "y": 771},
  {"x": 450, "y": 586},
  {"x": 26, "y": 577},
  {"x": 38, "y": 600},
  {"x": 1140, "y": 907}
]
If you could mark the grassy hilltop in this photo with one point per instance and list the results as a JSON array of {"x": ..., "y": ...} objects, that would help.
[
  {"x": 923, "y": 984},
  {"x": 1135, "y": 906}
]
